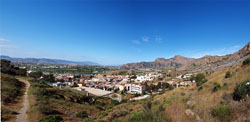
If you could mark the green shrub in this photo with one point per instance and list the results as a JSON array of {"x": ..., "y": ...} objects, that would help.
[
  {"x": 102, "y": 114},
  {"x": 246, "y": 61},
  {"x": 122, "y": 113},
  {"x": 36, "y": 74},
  {"x": 200, "y": 88},
  {"x": 139, "y": 116},
  {"x": 45, "y": 109},
  {"x": 216, "y": 87},
  {"x": 119, "y": 114},
  {"x": 82, "y": 114},
  {"x": 228, "y": 74},
  {"x": 75, "y": 85},
  {"x": 87, "y": 120},
  {"x": 242, "y": 90},
  {"x": 225, "y": 84},
  {"x": 114, "y": 102},
  {"x": 200, "y": 79},
  {"x": 149, "y": 115},
  {"x": 137, "y": 95},
  {"x": 8, "y": 68},
  {"x": 51, "y": 118},
  {"x": 222, "y": 112}
]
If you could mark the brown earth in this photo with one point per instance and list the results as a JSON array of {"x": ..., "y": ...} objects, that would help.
[{"x": 22, "y": 113}]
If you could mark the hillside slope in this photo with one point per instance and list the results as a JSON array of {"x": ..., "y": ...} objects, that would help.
[
  {"x": 212, "y": 101},
  {"x": 192, "y": 64},
  {"x": 11, "y": 92}
]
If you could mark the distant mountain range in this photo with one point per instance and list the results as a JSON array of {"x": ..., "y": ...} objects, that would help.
[
  {"x": 47, "y": 61},
  {"x": 192, "y": 64}
]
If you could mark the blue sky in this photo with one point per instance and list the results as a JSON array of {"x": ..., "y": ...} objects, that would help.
[{"x": 117, "y": 32}]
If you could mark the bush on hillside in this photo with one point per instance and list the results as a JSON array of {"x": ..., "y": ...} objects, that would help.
[
  {"x": 216, "y": 87},
  {"x": 200, "y": 79},
  {"x": 246, "y": 61},
  {"x": 52, "y": 118},
  {"x": 8, "y": 68},
  {"x": 21, "y": 72},
  {"x": 228, "y": 74},
  {"x": 75, "y": 85},
  {"x": 46, "y": 109},
  {"x": 87, "y": 120},
  {"x": 222, "y": 112},
  {"x": 242, "y": 90},
  {"x": 114, "y": 102},
  {"x": 49, "y": 77},
  {"x": 119, "y": 114},
  {"x": 36, "y": 75},
  {"x": 148, "y": 114},
  {"x": 82, "y": 114},
  {"x": 139, "y": 116}
]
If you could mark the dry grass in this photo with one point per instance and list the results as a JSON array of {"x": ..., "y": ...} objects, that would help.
[
  {"x": 9, "y": 111},
  {"x": 33, "y": 114},
  {"x": 176, "y": 111},
  {"x": 129, "y": 107},
  {"x": 67, "y": 105},
  {"x": 175, "y": 101},
  {"x": 205, "y": 99},
  {"x": 12, "y": 108}
]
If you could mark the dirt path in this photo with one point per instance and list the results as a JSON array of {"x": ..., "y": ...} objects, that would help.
[{"x": 22, "y": 116}]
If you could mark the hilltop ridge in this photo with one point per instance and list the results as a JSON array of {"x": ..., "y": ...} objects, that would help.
[
  {"x": 47, "y": 61},
  {"x": 193, "y": 64}
]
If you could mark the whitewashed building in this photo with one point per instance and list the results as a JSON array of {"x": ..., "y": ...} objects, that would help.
[{"x": 133, "y": 88}]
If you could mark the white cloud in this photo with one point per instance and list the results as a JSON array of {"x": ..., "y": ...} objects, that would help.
[
  {"x": 145, "y": 38},
  {"x": 158, "y": 39},
  {"x": 136, "y": 42},
  {"x": 8, "y": 46},
  {"x": 4, "y": 40}
]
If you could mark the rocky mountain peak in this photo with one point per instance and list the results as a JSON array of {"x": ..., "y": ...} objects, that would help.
[
  {"x": 160, "y": 59},
  {"x": 245, "y": 50}
]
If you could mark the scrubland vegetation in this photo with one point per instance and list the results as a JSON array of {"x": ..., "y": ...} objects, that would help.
[
  {"x": 11, "y": 91},
  {"x": 246, "y": 61},
  {"x": 220, "y": 96},
  {"x": 65, "y": 103}
]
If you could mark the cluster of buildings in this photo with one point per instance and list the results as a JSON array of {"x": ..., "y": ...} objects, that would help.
[
  {"x": 129, "y": 83},
  {"x": 104, "y": 84},
  {"x": 182, "y": 80}
]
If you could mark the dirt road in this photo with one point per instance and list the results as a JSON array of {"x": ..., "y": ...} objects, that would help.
[{"x": 22, "y": 116}]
